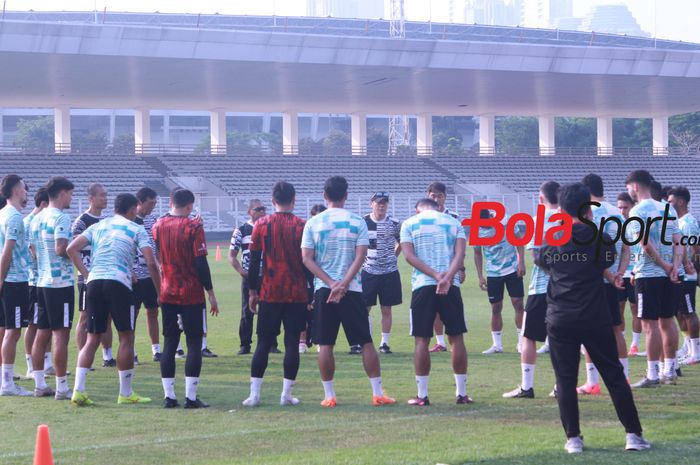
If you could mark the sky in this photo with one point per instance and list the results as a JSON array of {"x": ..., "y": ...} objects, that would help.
[{"x": 671, "y": 19}]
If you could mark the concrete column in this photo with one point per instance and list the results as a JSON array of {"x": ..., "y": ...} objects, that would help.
[
  {"x": 605, "y": 135},
  {"x": 142, "y": 129},
  {"x": 166, "y": 128},
  {"x": 290, "y": 133},
  {"x": 546, "y": 125},
  {"x": 314, "y": 126},
  {"x": 112, "y": 126},
  {"x": 218, "y": 130},
  {"x": 660, "y": 135},
  {"x": 424, "y": 134},
  {"x": 61, "y": 122},
  {"x": 358, "y": 130},
  {"x": 487, "y": 135},
  {"x": 266, "y": 122}
]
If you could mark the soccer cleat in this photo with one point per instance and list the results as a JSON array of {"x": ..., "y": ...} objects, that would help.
[
  {"x": 438, "y": 348},
  {"x": 170, "y": 403},
  {"x": 16, "y": 391},
  {"x": 419, "y": 401},
  {"x": 679, "y": 373},
  {"x": 329, "y": 403},
  {"x": 378, "y": 401},
  {"x": 554, "y": 394},
  {"x": 245, "y": 350},
  {"x": 355, "y": 350},
  {"x": 634, "y": 350},
  {"x": 80, "y": 399},
  {"x": 63, "y": 395},
  {"x": 690, "y": 361},
  {"x": 645, "y": 383},
  {"x": 206, "y": 353},
  {"x": 252, "y": 401},
  {"x": 109, "y": 363},
  {"x": 136, "y": 360},
  {"x": 275, "y": 350},
  {"x": 520, "y": 393},
  {"x": 668, "y": 380},
  {"x": 30, "y": 375},
  {"x": 543, "y": 350},
  {"x": 181, "y": 353},
  {"x": 50, "y": 371},
  {"x": 44, "y": 392},
  {"x": 303, "y": 347},
  {"x": 133, "y": 399},
  {"x": 197, "y": 403},
  {"x": 385, "y": 349},
  {"x": 587, "y": 390},
  {"x": 156, "y": 357},
  {"x": 464, "y": 400},
  {"x": 493, "y": 350},
  {"x": 574, "y": 445},
  {"x": 636, "y": 442},
  {"x": 284, "y": 401}
]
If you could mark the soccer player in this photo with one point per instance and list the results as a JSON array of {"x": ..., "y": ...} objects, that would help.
[
  {"x": 505, "y": 268},
  {"x": 51, "y": 233},
  {"x": 305, "y": 337},
  {"x": 657, "y": 283},
  {"x": 534, "y": 327},
  {"x": 240, "y": 241},
  {"x": 334, "y": 247},
  {"x": 594, "y": 183},
  {"x": 625, "y": 204},
  {"x": 97, "y": 201},
  {"x": 185, "y": 275},
  {"x": 679, "y": 197},
  {"x": 434, "y": 245},
  {"x": 145, "y": 291},
  {"x": 577, "y": 314},
  {"x": 14, "y": 278},
  {"x": 437, "y": 192},
  {"x": 380, "y": 272},
  {"x": 281, "y": 291},
  {"x": 113, "y": 243},
  {"x": 41, "y": 201}
]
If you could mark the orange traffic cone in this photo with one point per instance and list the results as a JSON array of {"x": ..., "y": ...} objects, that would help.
[
  {"x": 218, "y": 253},
  {"x": 42, "y": 450}
]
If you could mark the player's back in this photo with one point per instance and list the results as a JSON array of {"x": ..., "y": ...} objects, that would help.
[{"x": 54, "y": 271}]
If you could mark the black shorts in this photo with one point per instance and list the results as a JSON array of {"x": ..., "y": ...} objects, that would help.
[
  {"x": 613, "y": 304},
  {"x": 272, "y": 315},
  {"x": 425, "y": 304},
  {"x": 657, "y": 298},
  {"x": 145, "y": 294},
  {"x": 386, "y": 286},
  {"x": 351, "y": 312},
  {"x": 56, "y": 307},
  {"x": 495, "y": 285},
  {"x": 534, "y": 327},
  {"x": 15, "y": 305},
  {"x": 628, "y": 294},
  {"x": 194, "y": 322},
  {"x": 82, "y": 291},
  {"x": 105, "y": 297},
  {"x": 33, "y": 305},
  {"x": 686, "y": 304}
]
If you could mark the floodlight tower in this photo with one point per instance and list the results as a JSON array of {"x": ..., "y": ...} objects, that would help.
[{"x": 398, "y": 124}]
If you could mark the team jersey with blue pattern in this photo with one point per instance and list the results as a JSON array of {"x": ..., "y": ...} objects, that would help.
[
  {"x": 539, "y": 279},
  {"x": 644, "y": 266},
  {"x": 502, "y": 258},
  {"x": 54, "y": 271},
  {"x": 12, "y": 228},
  {"x": 140, "y": 266},
  {"x": 333, "y": 235},
  {"x": 607, "y": 210},
  {"x": 433, "y": 235},
  {"x": 32, "y": 270},
  {"x": 689, "y": 226},
  {"x": 114, "y": 242}
]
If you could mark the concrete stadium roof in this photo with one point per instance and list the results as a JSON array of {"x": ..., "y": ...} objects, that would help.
[{"x": 46, "y": 64}]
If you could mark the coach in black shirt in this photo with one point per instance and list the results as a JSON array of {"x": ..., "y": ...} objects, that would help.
[{"x": 577, "y": 313}]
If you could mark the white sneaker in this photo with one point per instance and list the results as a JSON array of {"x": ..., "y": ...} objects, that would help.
[
  {"x": 288, "y": 401},
  {"x": 636, "y": 442},
  {"x": 493, "y": 350},
  {"x": 574, "y": 445},
  {"x": 50, "y": 371},
  {"x": 303, "y": 347},
  {"x": 251, "y": 401},
  {"x": 543, "y": 350},
  {"x": 17, "y": 391}
]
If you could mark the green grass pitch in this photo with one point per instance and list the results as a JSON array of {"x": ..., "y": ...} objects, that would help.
[{"x": 491, "y": 431}]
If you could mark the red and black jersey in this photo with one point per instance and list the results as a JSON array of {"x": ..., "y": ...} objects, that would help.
[
  {"x": 178, "y": 241},
  {"x": 278, "y": 237}
]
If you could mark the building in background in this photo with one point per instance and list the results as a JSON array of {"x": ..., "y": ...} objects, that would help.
[
  {"x": 493, "y": 12},
  {"x": 366, "y": 9},
  {"x": 545, "y": 13},
  {"x": 612, "y": 19}
]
